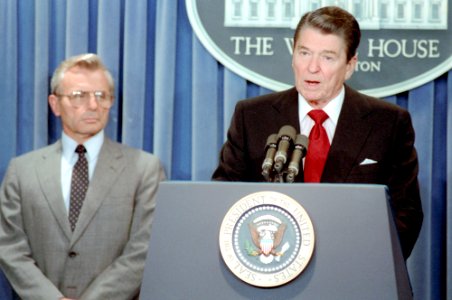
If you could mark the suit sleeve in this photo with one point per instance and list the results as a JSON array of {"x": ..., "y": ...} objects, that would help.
[
  {"x": 15, "y": 253},
  {"x": 403, "y": 185},
  {"x": 122, "y": 279}
]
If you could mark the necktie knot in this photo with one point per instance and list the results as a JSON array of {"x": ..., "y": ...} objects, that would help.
[
  {"x": 318, "y": 115},
  {"x": 81, "y": 150}
]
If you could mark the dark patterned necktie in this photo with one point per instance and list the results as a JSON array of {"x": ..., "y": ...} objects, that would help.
[
  {"x": 79, "y": 185},
  {"x": 319, "y": 146}
]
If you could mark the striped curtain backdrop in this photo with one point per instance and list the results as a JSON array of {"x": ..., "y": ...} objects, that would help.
[{"x": 175, "y": 100}]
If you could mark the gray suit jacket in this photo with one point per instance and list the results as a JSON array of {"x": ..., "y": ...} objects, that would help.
[{"x": 104, "y": 257}]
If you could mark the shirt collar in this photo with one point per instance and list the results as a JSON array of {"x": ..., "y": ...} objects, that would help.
[
  {"x": 333, "y": 108},
  {"x": 92, "y": 146}
]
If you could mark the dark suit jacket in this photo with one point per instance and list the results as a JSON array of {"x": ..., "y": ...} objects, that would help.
[
  {"x": 367, "y": 128},
  {"x": 104, "y": 257}
]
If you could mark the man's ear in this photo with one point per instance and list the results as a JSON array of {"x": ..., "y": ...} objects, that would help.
[
  {"x": 54, "y": 104},
  {"x": 351, "y": 66}
]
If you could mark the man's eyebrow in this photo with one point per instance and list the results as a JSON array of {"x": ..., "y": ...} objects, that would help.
[
  {"x": 301, "y": 47},
  {"x": 329, "y": 52}
]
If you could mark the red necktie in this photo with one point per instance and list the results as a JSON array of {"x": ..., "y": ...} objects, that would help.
[{"x": 317, "y": 149}]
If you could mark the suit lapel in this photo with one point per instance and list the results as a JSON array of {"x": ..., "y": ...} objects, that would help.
[
  {"x": 347, "y": 142},
  {"x": 109, "y": 166},
  {"x": 49, "y": 174},
  {"x": 287, "y": 107}
]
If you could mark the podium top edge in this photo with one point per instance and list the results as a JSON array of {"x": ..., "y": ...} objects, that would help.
[{"x": 271, "y": 184}]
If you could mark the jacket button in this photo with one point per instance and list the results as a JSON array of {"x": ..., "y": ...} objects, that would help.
[{"x": 72, "y": 254}]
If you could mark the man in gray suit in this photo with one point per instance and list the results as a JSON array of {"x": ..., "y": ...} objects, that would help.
[{"x": 102, "y": 254}]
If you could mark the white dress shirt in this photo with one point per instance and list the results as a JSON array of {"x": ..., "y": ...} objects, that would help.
[{"x": 332, "y": 109}]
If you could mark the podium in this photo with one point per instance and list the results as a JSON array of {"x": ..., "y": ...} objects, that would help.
[{"x": 356, "y": 255}]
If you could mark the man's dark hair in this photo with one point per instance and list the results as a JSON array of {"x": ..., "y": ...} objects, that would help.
[{"x": 333, "y": 20}]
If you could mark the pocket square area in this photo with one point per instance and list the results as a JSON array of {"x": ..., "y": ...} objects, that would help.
[{"x": 367, "y": 161}]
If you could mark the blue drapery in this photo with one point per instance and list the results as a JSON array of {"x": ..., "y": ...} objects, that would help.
[{"x": 175, "y": 100}]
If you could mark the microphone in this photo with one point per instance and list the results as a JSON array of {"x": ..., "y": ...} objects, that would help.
[
  {"x": 268, "y": 161},
  {"x": 300, "y": 149},
  {"x": 286, "y": 134}
]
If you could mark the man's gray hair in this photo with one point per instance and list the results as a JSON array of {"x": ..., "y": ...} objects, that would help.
[{"x": 88, "y": 61}]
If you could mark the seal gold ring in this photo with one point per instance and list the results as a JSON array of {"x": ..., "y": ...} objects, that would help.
[{"x": 266, "y": 239}]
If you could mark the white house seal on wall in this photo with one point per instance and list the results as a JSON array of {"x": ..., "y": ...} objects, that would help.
[{"x": 404, "y": 43}]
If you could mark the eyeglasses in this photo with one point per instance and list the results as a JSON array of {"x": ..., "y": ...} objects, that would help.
[{"x": 81, "y": 98}]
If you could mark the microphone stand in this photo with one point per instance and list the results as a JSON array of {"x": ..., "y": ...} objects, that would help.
[{"x": 279, "y": 178}]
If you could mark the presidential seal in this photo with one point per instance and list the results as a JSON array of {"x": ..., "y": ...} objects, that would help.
[{"x": 266, "y": 239}]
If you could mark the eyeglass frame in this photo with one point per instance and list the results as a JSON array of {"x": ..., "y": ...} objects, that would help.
[{"x": 96, "y": 94}]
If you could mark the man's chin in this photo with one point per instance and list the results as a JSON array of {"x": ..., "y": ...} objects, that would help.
[
  {"x": 311, "y": 96},
  {"x": 91, "y": 130}
]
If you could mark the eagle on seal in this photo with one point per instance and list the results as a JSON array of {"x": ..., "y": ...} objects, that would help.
[{"x": 265, "y": 239}]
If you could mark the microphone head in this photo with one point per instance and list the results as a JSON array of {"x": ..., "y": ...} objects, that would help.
[
  {"x": 302, "y": 140},
  {"x": 288, "y": 131},
  {"x": 286, "y": 135},
  {"x": 301, "y": 143},
  {"x": 271, "y": 140}
]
